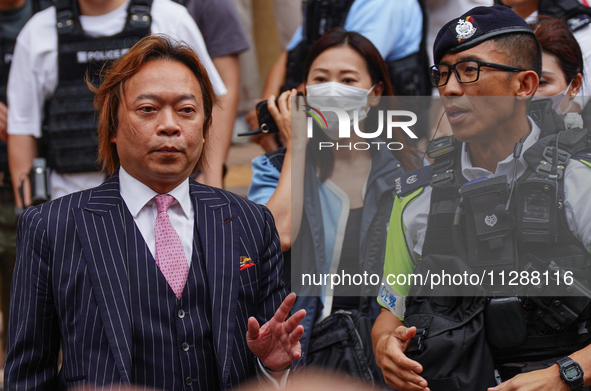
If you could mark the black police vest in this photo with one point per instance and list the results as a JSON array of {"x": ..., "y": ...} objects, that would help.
[
  {"x": 576, "y": 15},
  {"x": 7, "y": 45},
  {"x": 319, "y": 17},
  {"x": 537, "y": 232},
  {"x": 70, "y": 140}
]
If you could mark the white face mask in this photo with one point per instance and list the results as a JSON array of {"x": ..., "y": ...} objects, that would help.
[
  {"x": 557, "y": 100},
  {"x": 333, "y": 94}
]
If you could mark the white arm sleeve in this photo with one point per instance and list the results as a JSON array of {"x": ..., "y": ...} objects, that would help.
[{"x": 174, "y": 20}]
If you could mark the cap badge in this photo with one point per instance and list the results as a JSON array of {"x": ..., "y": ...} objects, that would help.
[
  {"x": 465, "y": 29},
  {"x": 491, "y": 220}
]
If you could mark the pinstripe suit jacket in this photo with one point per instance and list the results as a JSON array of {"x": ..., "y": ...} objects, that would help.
[{"x": 70, "y": 286}]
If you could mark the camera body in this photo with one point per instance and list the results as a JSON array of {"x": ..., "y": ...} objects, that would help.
[{"x": 266, "y": 122}]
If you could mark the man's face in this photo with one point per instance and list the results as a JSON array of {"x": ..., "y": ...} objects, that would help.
[
  {"x": 475, "y": 110},
  {"x": 160, "y": 134}
]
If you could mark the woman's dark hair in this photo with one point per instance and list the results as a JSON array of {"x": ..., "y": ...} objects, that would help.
[
  {"x": 378, "y": 71},
  {"x": 556, "y": 38},
  {"x": 338, "y": 36}
]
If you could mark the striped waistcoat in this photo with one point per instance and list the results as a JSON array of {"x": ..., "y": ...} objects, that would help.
[{"x": 169, "y": 331}]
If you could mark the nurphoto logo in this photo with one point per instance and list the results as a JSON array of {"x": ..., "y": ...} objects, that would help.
[{"x": 331, "y": 119}]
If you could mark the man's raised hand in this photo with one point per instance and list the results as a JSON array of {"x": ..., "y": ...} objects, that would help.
[{"x": 277, "y": 342}]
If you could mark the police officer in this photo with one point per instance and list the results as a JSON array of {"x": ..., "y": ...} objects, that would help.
[
  {"x": 49, "y": 99},
  {"x": 13, "y": 16},
  {"x": 491, "y": 52}
]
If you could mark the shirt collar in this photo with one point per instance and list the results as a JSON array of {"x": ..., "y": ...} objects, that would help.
[
  {"x": 136, "y": 194},
  {"x": 532, "y": 18},
  {"x": 504, "y": 167}
]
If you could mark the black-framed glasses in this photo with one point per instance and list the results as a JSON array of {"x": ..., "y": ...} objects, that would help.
[{"x": 467, "y": 71}]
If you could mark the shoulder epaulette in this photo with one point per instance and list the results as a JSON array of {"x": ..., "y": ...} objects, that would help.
[
  {"x": 413, "y": 180},
  {"x": 585, "y": 157},
  {"x": 578, "y": 22}
]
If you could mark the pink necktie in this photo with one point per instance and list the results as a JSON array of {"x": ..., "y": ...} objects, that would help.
[{"x": 170, "y": 256}]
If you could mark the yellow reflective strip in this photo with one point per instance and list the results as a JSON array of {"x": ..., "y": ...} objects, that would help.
[
  {"x": 585, "y": 162},
  {"x": 397, "y": 259}
]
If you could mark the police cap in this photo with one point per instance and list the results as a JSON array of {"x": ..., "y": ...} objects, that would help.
[{"x": 476, "y": 26}]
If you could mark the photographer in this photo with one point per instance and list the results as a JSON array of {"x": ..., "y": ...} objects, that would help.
[{"x": 340, "y": 191}]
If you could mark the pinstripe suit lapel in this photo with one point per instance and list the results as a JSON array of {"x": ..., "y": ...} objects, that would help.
[
  {"x": 220, "y": 240},
  {"x": 100, "y": 227}
]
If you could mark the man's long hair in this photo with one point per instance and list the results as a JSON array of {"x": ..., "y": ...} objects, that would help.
[{"x": 110, "y": 93}]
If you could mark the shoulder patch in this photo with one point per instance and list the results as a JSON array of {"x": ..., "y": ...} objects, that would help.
[
  {"x": 413, "y": 180},
  {"x": 583, "y": 157},
  {"x": 578, "y": 22}
]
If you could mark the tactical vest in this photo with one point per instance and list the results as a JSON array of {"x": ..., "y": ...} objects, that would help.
[
  {"x": 7, "y": 45},
  {"x": 531, "y": 234},
  {"x": 408, "y": 75},
  {"x": 319, "y": 17},
  {"x": 70, "y": 140},
  {"x": 576, "y": 15}
]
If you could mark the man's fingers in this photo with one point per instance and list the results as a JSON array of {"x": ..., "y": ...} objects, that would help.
[
  {"x": 296, "y": 352},
  {"x": 253, "y": 328},
  {"x": 402, "y": 379},
  {"x": 401, "y": 361},
  {"x": 294, "y": 320},
  {"x": 296, "y": 335},
  {"x": 284, "y": 308},
  {"x": 404, "y": 333},
  {"x": 499, "y": 387},
  {"x": 402, "y": 385},
  {"x": 394, "y": 356},
  {"x": 406, "y": 368}
]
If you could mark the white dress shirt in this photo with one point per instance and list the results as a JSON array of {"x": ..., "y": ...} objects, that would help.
[{"x": 139, "y": 200}]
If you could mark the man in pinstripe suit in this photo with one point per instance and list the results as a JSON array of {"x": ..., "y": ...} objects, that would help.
[{"x": 170, "y": 297}]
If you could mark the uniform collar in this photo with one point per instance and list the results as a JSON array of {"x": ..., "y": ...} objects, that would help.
[
  {"x": 504, "y": 167},
  {"x": 136, "y": 194}
]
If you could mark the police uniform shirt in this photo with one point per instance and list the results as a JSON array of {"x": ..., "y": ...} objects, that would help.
[
  {"x": 34, "y": 74},
  {"x": 394, "y": 27},
  {"x": 577, "y": 187}
]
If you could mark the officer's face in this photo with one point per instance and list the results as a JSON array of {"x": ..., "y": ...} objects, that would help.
[
  {"x": 476, "y": 110},
  {"x": 160, "y": 134}
]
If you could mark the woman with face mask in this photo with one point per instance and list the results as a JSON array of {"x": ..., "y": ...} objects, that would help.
[
  {"x": 562, "y": 64},
  {"x": 324, "y": 200}
]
